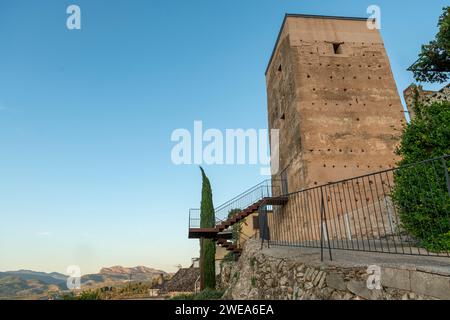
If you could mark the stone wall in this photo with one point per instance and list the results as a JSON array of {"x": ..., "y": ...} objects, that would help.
[
  {"x": 260, "y": 276},
  {"x": 339, "y": 113},
  {"x": 424, "y": 96}
]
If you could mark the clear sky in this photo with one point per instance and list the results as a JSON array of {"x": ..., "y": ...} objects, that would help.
[{"x": 86, "y": 116}]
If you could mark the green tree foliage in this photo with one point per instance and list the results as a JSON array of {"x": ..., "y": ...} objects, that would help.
[
  {"x": 85, "y": 295},
  {"x": 90, "y": 295},
  {"x": 230, "y": 256},
  {"x": 207, "y": 294},
  {"x": 433, "y": 64},
  {"x": 237, "y": 227},
  {"x": 208, "y": 246},
  {"x": 420, "y": 191}
]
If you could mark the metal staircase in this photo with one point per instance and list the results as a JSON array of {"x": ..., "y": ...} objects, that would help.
[{"x": 267, "y": 193}]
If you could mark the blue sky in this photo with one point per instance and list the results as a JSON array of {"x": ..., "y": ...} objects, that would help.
[{"x": 86, "y": 117}]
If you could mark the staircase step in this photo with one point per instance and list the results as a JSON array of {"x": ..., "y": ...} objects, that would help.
[
  {"x": 245, "y": 214},
  {"x": 248, "y": 211}
]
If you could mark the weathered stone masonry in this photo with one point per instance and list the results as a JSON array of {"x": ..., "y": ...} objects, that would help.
[
  {"x": 424, "y": 96},
  {"x": 332, "y": 95},
  {"x": 261, "y": 276}
]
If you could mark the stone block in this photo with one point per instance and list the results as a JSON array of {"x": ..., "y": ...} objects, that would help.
[
  {"x": 308, "y": 273},
  {"x": 336, "y": 281},
  {"x": 360, "y": 289},
  {"x": 430, "y": 284},
  {"x": 313, "y": 275},
  {"x": 321, "y": 283},
  {"x": 396, "y": 278},
  {"x": 317, "y": 278},
  {"x": 308, "y": 286},
  {"x": 300, "y": 275}
]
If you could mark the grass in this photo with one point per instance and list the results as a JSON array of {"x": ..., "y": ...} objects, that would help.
[
  {"x": 252, "y": 262},
  {"x": 253, "y": 282}
]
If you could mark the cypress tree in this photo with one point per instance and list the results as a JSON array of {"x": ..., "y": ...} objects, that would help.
[{"x": 207, "y": 246}]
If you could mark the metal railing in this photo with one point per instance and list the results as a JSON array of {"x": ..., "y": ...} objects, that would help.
[
  {"x": 195, "y": 219},
  {"x": 265, "y": 189},
  {"x": 369, "y": 213}
]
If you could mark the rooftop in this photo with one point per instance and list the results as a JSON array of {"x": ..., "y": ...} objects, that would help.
[{"x": 311, "y": 16}]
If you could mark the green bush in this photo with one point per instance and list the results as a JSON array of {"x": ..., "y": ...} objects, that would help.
[
  {"x": 85, "y": 295},
  {"x": 90, "y": 295},
  {"x": 69, "y": 296},
  {"x": 230, "y": 256},
  {"x": 237, "y": 227},
  {"x": 434, "y": 58},
  {"x": 420, "y": 192},
  {"x": 207, "y": 294},
  {"x": 253, "y": 282}
]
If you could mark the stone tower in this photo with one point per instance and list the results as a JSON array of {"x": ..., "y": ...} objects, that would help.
[{"x": 332, "y": 95}]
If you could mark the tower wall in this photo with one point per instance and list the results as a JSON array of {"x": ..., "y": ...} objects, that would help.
[{"x": 332, "y": 95}]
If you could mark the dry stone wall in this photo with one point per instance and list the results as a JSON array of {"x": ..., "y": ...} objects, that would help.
[{"x": 259, "y": 276}]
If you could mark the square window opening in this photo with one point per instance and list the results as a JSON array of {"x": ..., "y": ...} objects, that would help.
[{"x": 337, "y": 48}]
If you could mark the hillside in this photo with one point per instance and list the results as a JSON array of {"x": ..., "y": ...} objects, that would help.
[
  {"x": 27, "y": 284},
  {"x": 18, "y": 287}
]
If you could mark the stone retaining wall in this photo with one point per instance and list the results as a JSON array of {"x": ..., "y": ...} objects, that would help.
[{"x": 259, "y": 276}]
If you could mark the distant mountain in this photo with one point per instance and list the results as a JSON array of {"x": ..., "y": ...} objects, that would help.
[
  {"x": 122, "y": 274},
  {"x": 27, "y": 284},
  {"x": 47, "y": 278},
  {"x": 134, "y": 270},
  {"x": 20, "y": 284}
]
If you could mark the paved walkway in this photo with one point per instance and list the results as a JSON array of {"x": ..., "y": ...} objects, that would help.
[{"x": 344, "y": 258}]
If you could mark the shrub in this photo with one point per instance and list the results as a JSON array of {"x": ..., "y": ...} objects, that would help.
[
  {"x": 237, "y": 227},
  {"x": 207, "y": 294},
  {"x": 90, "y": 295},
  {"x": 68, "y": 296},
  {"x": 252, "y": 262},
  {"x": 230, "y": 256},
  {"x": 420, "y": 192}
]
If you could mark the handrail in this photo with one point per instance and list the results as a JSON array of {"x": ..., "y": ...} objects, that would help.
[
  {"x": 265, "y": 183},
  {"x": 357, "y": 213},
  {"x": 246, "y": 192},
  {"x": 368, "y": 175},
  {"x": 370, "y": 213},
  {"x": 240, "y": 201}
]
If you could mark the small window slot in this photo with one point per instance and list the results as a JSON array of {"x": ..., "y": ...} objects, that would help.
[{"x": 337, "y": 48}]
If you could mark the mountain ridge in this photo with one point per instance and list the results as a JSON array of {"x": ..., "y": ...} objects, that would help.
[{"x": 23, "y": 284}]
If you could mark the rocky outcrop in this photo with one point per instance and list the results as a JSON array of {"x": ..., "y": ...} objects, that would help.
[
  {"x": 133, "y": 270},
  {"x": 183, "y": 281},
  {"x": 260, "y": 276}
]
